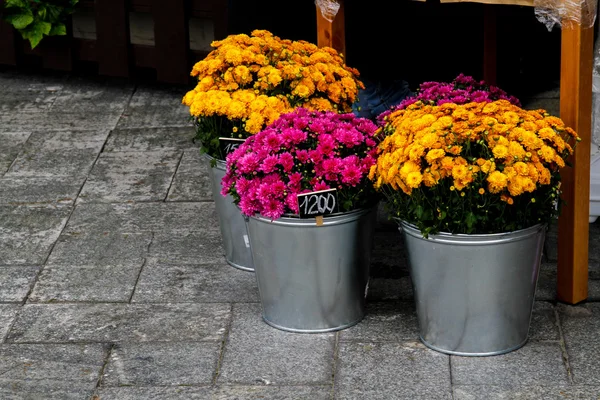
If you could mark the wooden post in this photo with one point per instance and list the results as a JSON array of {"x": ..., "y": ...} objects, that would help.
[
  {"x": 112, "y": 38},
  {"x": 332, "y": 33},
  {"x": 576, "y": 112},
  {"x": 8, "y": 53},
  {"x": 490, "y": 48},
  {"x": 171, "y": 41}
]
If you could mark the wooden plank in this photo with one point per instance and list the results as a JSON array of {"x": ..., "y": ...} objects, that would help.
[
  {"x": 8, "y": 50},
  {"x": 112, "y": 36},
  {"x": 576, "y": 111},
  {"x": 171, "y": 40},
  {"x": 490, "y": 44},
  {"x": 332, "y": 33},
  {"x": 57, "y": 50}
]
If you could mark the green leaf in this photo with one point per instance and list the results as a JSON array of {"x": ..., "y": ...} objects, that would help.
[
  {"x": 471, "y": 219},
  {"x": 20, "y": 21},
  {"x": 16, "y": 3},
  {"x": 36, "y": 31},
  {"x": 58, "y": 29}
]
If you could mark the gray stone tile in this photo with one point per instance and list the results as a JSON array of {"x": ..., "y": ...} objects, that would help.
[
  {"x": 156, "y": 107},
  {"x": 384, "y": 289},
  {"x": 581, "y": 325},
  {"x": 141, "y": 217},
  {"x": 408, "y": 370},
  {"x": 15, "y": 81},
  {"x": 259, "y": 353},
  {"x": 83, "y": 95},
  {"x": 28, "y": 190},
  {"x": 151, "y": 139},
  {"x": 213, "y": 283},
  {"x": 488, "y": 392},
  {"x": 130, "y": 176},
  {"x": 162, "y": 364},
  {"x": 27, "y": 102},
  {"x": 179, "y": 248},
  {"x": 385, "y": 322},
  {"x": 543, "y": 322},
  {"x": 15, "y": 282},
  {"x": 8, "y": 312},
  {"x": 97, "y": 283},
  {"x": 100, "y": 249},
  {"x": 42, "y": 371},
  {"x": 58, "y": 121},
  {"x": 68, "y": 153},
  {"x": 28, "y": 233},
  {"x": 12, "y": 142},
  {"x": 389, "y": 256},
  {"x": 192, "y": 180},
  {"x": 59, "y": 323},
  {"x": 216, "y": 393},
  {"x": 536, "y": 363},
  {"x": 546, "y": 287}
]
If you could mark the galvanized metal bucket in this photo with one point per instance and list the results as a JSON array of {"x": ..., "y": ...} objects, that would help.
[
  {"x": 231, "y": 222},
  {"x": 313, "y": 278},
  {"x": 474, "y": 293}
]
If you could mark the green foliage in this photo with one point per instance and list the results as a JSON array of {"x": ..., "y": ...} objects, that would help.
[{"x": 35, "y": 19}]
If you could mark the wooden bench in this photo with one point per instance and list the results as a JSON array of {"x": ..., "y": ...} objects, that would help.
[{"x": 577, "y": 44}]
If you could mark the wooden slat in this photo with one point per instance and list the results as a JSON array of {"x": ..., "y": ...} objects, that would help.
[
  {"x": 57, "y": 51},
  {"x": 576, "y": 111},
  {"x": 171, "y": 39},
  {"x": 8, "y": 50},
  {"x": 490, "y": 44},
  {"x": 112, "y": 36},
  {"x": 144, "y": 56},
  {"x": 84, "y": 49},
  {"x": 332, "y": 33}
]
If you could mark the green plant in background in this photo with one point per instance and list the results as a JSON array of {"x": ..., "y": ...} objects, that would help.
[{"x": 36, "y": 18}]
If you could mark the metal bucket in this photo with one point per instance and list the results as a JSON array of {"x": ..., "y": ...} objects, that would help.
[
  {"x": 313, "y": 278},
  {"x": 474, "y": 293},
  {"x": 231, "y": 222}
]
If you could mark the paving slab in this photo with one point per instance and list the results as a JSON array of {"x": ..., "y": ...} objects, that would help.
[
  {"x": 536, "y": 363},
  {"x": 12, "y": 142},
  {"x": 58, "y": 153},
  {"x": 389, "y": 289},
  {"x": 216, "y": 393},
  {"x": 393, "y": 321},
  {"x": 49, "y": 371},
  {"x": 28, "y": 233},
  {"x": 388, "y": 258},
  {"x": 58, "y": 121},
  {"x": 61, "y": 323},
  {"x": 388, "y": 370},
  {"x": 27, "y": 102},
  {"x": 131, "y": 176},
  {"x": 180, "y": 248},
  {"x": 581, "y": 325},
  {"x": 28, "y": 190},
  {"x": 488, "y": 392},
  {"x": 543, "y": 324},
  {"x": 85, "y": 95},
  {"x": 208, "y": 283},
  {"x": 156, "y": 107},
  {"x": 143, "y": 217},
  {"x": 162, "y": 364},
  {"x": 151, "y": 139},
  {"x": 258, "y": 353},
  {"x": 8, "y": 313},
  {"x": 191, "y": 182},
  {"x": 15, "y": 282}
]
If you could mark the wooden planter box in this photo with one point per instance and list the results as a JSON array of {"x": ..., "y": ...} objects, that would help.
[{"x": 120, "y": 36}]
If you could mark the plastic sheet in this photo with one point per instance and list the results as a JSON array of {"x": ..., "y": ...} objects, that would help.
[
  {"x": 563, "y": 12},
  {"x": 329, "y": 8}
]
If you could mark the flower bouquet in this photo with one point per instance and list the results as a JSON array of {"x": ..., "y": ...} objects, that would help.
[
  {"x": 312, "y": 273},
  {"x": 473, "y": 187},
  {"x": 463, "y": 89},
  {"x": 246, "y": 82}
]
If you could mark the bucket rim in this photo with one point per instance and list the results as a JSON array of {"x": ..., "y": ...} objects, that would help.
[
  {"x": 472, "y": 239},
  {"x": 332, "y": 219}
]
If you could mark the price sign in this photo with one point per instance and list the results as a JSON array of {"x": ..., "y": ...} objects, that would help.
[
  {"x": 228, "y": 145},
  {"x": 319, "y": 203}
]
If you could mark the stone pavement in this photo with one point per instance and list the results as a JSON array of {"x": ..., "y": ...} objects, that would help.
[{"x": 113, "y": 284}]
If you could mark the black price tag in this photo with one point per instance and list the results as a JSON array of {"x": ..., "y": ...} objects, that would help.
[
  {"x": 319, "y": 203},
  {"x": 228, "y": 145}
]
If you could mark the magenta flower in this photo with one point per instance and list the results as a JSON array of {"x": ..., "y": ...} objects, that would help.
[{"x": 301, "y": 152}]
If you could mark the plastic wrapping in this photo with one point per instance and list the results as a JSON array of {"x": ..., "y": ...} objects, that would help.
[
  {"x": 564, "y": 12},
  {"x": 329, "y": 8},
  {"x": 596, "y": 99}
]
